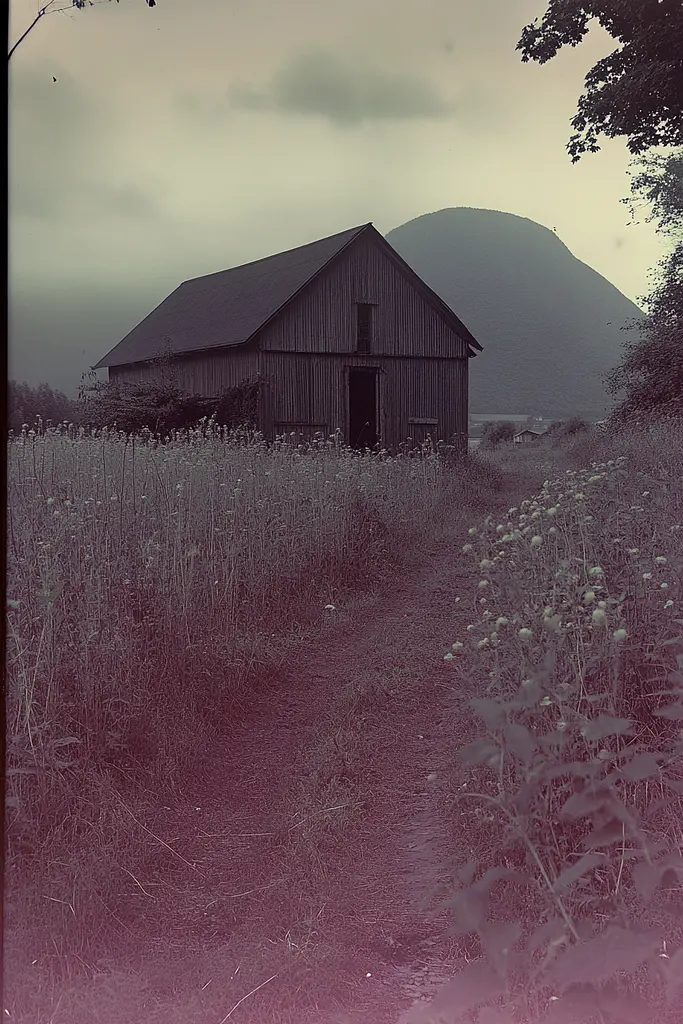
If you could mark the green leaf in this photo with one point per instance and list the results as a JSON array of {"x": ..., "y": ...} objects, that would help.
[
  {"x": 479, "y": 751},
  {"x": 477, "y": 983},
  {"x": 611, "y": 832},
  {"x": 579, "y": 805},
  {"x": 672, "y": 711},
  {"x": 599, "y": 958},
  {"x": 493, "y": 714},
  {"x": 674, "y": 970},
  {"x": 628, "y": 1009},
  {"x": 520, "y": 741},
  {"x": 493, "y": 1015},
  {"x": 641, "y": 767},
  {"x": 606, "y": 725},
  {"x": 572, "y": 874},
  {"x": 648, "y": 877},
  {"x": 550, "y": 932}
]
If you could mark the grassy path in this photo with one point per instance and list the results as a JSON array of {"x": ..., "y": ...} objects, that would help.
[{"x": 289, "y": 880}]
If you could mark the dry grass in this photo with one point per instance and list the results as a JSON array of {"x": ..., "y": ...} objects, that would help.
[{"x": 149, "y": 588}]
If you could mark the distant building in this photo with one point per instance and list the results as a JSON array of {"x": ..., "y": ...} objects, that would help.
[
  {"x": 340, "y": 333},
  {"x": 526, "y": 436}
]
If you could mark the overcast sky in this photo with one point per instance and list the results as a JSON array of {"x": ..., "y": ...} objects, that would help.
[{"x": 192, "y": 137}]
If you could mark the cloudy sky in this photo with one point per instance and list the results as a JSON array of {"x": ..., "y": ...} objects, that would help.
[{"x": 192, "y": 137}]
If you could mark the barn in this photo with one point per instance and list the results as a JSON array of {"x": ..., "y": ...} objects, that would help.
[{"x": 340, "y": 333}]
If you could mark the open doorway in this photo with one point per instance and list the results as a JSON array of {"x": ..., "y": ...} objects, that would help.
[{"x": 362, "y": 408}]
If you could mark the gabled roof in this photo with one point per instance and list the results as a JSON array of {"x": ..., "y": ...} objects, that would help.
[{"x": 228, "y": 308}]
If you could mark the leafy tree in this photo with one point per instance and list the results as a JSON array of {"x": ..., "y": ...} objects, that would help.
[
  {"x": 650, "y": 376},
  {"x": 26, "y": 404},
  {"x": 49, "y": 8},
  {"x": 635, "y": 92},
  {"x": 494, "y": 433}
]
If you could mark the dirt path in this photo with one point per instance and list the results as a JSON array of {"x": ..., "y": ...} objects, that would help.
[{"x": 306, "y": 846}]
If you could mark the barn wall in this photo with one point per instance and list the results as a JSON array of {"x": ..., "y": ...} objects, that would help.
[
  {"x": 202, "y": 373},
  {"x": 313, "y": 391},
  {"x": 323, "y": 317}
]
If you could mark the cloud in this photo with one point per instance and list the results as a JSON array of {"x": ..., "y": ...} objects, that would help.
[
  {"x": 57, "y": 165},
  {"x": 322, "y": 84}
]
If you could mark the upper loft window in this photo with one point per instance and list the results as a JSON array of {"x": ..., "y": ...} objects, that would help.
[{"x": 364, "y": 327}]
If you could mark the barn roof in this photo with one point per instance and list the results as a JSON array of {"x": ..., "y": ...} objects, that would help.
[{"x": 228, "y": 308}]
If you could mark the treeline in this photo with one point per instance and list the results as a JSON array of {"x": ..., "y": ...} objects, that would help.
[{"x": 158, "y": 406}]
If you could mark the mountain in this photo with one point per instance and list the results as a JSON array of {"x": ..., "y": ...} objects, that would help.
[{"x": 548, "y": 323}]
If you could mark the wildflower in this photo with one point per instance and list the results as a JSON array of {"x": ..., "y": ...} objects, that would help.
[
  {"x": 501, "y": 621},
  {"x": 525, "y": 634},
  {"x": 561, "y": 726},
  {"x": 472, "y": 532},
  {"x": 466, "y": 549},
  {"x": 536, "y": 541},
  {"x": 50, "y": 501},
  {"x": 486, "y": 564},
  {"x": 598, "y": 617},
  {"x": 448, "y": 657},
  {"x": 458, "y": 645},
  {"x": 482, "y": 600},
  {"x": 580, "y": 496},
  {"x": 482, "y": 583},
  {"x": 596, "y": 571},
  {"x": 589, "y": 596},
  {"x": 660, "y": 560},
  {"x": 500, "y": 528},
  {"x": 471, "y": 628},
  {"x": 647, "y": 575},
  {"x": 664, "y": 586},
  {"x": 457, "y": 600},
  {"x": 330, "y": 608},
  {"x": 483, "y": 643},
  {"x": 668, "y": 604},
  {"x": 546, "y": 701},
  {"x": 619, "y": 634},
  {"x": 552, "y": 530},
  {"x": 551, "y": 511}
]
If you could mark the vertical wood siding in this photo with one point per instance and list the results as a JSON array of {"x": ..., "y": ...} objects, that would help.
[
  {"x": 306, "y": 390},
  {"x": 205, "y": 374},
  {"x": 323, "y": 317}
]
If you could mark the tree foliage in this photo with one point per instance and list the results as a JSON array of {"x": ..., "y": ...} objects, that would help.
[
  {"x": 49, "y": 8},
  {"x": 650, "y": 376},
  {"x": 26, "y": 404},
  {"x": 495, "y": 433},
  {"x": 636, "y": 91}
]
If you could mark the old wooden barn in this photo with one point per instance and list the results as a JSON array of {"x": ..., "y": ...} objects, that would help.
[{"x": 341, "y": 332}]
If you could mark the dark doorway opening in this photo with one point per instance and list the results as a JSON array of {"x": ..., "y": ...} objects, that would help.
[{"x": 362, "y": 408}]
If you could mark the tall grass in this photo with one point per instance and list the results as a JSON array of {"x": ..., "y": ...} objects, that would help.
[
  {"x": 575, "y": 655},
  {"x": 146, "y": 582}
]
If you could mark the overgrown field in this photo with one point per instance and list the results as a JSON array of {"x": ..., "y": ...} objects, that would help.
[
  {"x": 147, "y": 582},
  {"x": 574, "y": 660}
]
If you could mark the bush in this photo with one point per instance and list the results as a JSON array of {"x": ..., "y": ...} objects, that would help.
[
  {"x": 161, "y": 406},
  {"x": 494, "y": 434},
  {"x": 578, "y": 768}
]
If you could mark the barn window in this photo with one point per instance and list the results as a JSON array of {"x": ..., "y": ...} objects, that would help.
[{"x": 364, "y": 327}]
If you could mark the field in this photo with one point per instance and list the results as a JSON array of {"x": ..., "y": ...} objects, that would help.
[{"x": 222, "y": 628}]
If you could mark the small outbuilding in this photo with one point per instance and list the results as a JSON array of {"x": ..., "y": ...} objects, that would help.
[
  {"x": 526, "y": 436},
  {"x": 339, "y": 333}
]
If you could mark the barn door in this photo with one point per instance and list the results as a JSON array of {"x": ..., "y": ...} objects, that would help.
[{"x": 363, "y": 431}]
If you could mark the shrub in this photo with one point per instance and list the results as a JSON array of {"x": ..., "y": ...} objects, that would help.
[{"x": 579, "y": 764}]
